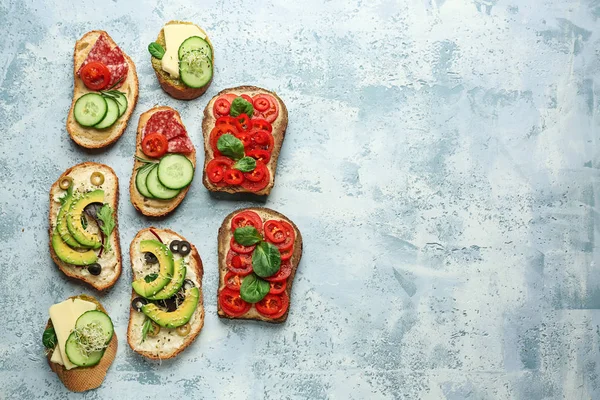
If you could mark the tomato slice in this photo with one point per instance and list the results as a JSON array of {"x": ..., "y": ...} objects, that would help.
[
  {"x": 259, "y": 155},
  {"x": 226, "y": 119},
  {"x": 247, "y": 98},
  {"x": 155, "y": 145},
  {"x": 246, "y": 218},
  {"x": 276, "y": 287},
  {"x": 232, "y": 303},
  {"x": 273, "y": 305},
  {"x": 289, "y": 234},
  {"x": 270, "y": 114},
  {"x": 274, "y": 231},
  {"x": 262, "y": 125},
  {"x": 238, "y": 248},
  {"x": 255, "y": 186},
  {"x": 217, "y": 132},
  {"x": 221, "y": 106},
  {"x": 261, "y": 137},
  {"x": 233, "y": 176},
  {"x": 95, "y": 75},
  {"x": 240, "y": 264},
  {"x": 233, "y": 281},
  {"x": 286, "y": 254},
  {"x": 262, "y": 140},
  {"x": 257, "y": 174},
  {"x": 216, "y": 168},
  {"x": 242, "y": 122},
  {"x": 261, "y": 103},
  {"x": 285, "y": 270},
  {"x": 245, "y": 137}
]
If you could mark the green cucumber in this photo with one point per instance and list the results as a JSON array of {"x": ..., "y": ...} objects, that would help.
[
  {"x": 157, "y": 189},
  {"x": 90, "y": 109},
  {"x": 121, "y": 100},
  {"x": 175, "y": 171},
  {"x": 194, "y": 43},
  {"x": 140, "y": 180},
  {"x": 93, "y": 329},
  {"x": 112, "y": 115},
  {"x": 195, "y": 69},
  {"x": 100, "y": 318}
]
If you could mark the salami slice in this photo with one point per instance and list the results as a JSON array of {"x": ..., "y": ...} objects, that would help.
[
  {"x": 98, "y": 53},
  {"x": 174, "y": 129},
  {"x": 180, "y": 144},
  {"x": 159, "y": 122},
  {"x": 112, "y": 58}
]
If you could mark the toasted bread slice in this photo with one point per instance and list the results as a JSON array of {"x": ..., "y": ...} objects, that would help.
[
  {"x": 279, "y": 128},
  {"x": 111, "y": 261},
  {"x": 167, "y": 344},
  {"x": 153, "y": 207},
  {"x": 224, "y": 238},
  {"x": 81, "y": 379},
  {"x": 89, "y": 137},
  {"x": 174, "y": 87}
]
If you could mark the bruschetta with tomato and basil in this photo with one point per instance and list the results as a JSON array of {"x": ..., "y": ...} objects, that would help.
[
  {"x": 259, "y": 253},
  {"x": 164, "y": 164},
  {"x": 105, "y": 91},
  {"x": 243, "y": 129}
]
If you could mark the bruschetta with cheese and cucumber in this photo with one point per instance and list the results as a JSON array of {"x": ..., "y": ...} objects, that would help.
[
  {"x": 167, "y": 311},
  {"x": 83, "y": 225},
  {"x": 105, "y": 91},
  {"x": 183, "y": 60},
  {"x": 164, "y": 162},
  {"x": 80, "y": 342}
]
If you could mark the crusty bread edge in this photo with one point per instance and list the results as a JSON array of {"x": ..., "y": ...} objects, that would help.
[
  {"x": 295, "y": 260},
  {"x": 117, "y": 249}
]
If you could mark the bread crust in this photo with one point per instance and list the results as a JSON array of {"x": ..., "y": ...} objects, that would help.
[
  {"x": 199, "y": 271},
  {"x": 67, "y": 269},
  {"x": 154, "y": 207},
  {"x": 86, "y": 136},
  {"x": 223, "y": 247},
  {"x": 177, "y": 89},
  {"x": 279, "y": 129}
]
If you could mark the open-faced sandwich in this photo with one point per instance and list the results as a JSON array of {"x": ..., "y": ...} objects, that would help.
[
  {"x": 165, "y": 160},
  {"x": 80, "y": 342},
  {"x": 105, "y": 91},
  {"x": 182, "y": 58},
  {"x": 84, "y": 236},
  {"x": 167, "y": 312},
  {"x": 259, "y": 253},
  {"x": 243, "y": 129}
]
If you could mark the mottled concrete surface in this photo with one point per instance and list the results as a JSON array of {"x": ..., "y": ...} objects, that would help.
[{"x": 441, "y": 162}]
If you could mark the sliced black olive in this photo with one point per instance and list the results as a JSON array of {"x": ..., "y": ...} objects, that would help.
[
  {"x": 94, "y": 269},
  {"x": 137, "y": 303},
  {"x": 150, "y": 258},
  {"x": 184, "y": 248},
  {"x": 171, "y": 303},
  {"x": 174, "y": 246},
  {"x": 188, "y": 284}
]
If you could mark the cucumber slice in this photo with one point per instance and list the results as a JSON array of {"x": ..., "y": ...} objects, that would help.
[
  {"x": 97, "y": 317},
  {"x": 102, "y": 325},
  {"x": 175, "y": 171},
  {"x": 122, "y": 103},
  {"x": 140, "y": 180},
  {"x": 194, "y": 43},
  {"x": 157, "y": 189},
  {"x": 195, "y": 69},
  {"x": 90, "y": 109},
  {"x": 112, "y": 115},
  {"x": 77, "y": 356}
]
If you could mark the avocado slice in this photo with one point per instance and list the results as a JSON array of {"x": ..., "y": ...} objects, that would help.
[
  {"x": 70, "y": 256},
  {"x": 61, "y": 223},
  {"x": 166, "y": 264},
  {"x": 74, "y": 219},
  {"x": 176, "y": 318},
  {"x": 174, "y": 284}
]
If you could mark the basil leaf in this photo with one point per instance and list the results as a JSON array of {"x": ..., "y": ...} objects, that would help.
[
  {"x": 247, "y": 236},
  {"x": 266, "y": 259},
  {"x": 254, "y": 289},
  {"x": 150, "y": 277},
  {"x": 230, "y": 146},
  {"x": 156, "y": 50},
  {"x": 241, "y": 106},
  {"x": 49, "y": 339},
  {"x": 245, "y": 164}
]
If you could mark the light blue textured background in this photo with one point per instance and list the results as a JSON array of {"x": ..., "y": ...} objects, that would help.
[{"x": 441, "y": 161}]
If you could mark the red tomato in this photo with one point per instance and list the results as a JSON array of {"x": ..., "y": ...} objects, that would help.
[
  {"x": 266, "y": 139},
  {"x": 217, "y": 132},
  {"x": 95, "y": 75},
  {"x": 221, "y": 106},
  {"x": 262, "y": 125},
  {"x": 232, "y": 303},
  {"x": 154, "y": 144},
  {"x": 261, "y": 137},
  {"x": 258, "y": 173},
  {"x": 271, "y": 113},
  {"x": 290, "y": 236},
  {"x": 240, "y": 264},
  {"x": 238, "y": 248},
  {"x": 226, "y": 119},
  {"x": 242, "y": 122},
  {"x": 247, "y": 98},
  {"x": 233, "y": 176},
  {"x": 286, "y": 254},
  {"x": 259, "y": 155},
  {"x": 246, "y": 218},
  {"x": 216, "y": 168},
  {"x": 233, "y": 281},
  {"x": 261, "y": 103},
  {"x": 276, "y": 287},
  {"x": 273, "y": 305},
  {"x": 285, "y": 270},
  {"x": 245, "y": 137},
  {"x": 274, "y": 231},
  {"x": 255, "y": 186}
]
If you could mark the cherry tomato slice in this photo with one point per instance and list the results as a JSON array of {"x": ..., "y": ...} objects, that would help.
[
  {"x": 257, "y": 186},
  {"x": 233, "y": 176},
  {"x": 258, "y": 173},
  {"x": 246, "y": 218},
  {"x": 266, "y": 140},
  {"x": 271, "y": 113},
  {"x": 242, "y": 122},
  {"x": 232, "y": 303},
  {"x": 238, "y": 248},
  {"x": 240, "y": 264},
  {"x": 217, "y": 132},
  {"x": 155, "y": 145},
  {"x": 247, "y": 98},
  {"x": 226, "y": 119},
  {"x": 290, "y": 237},
  {"x": 262, "y": 125},
  {"x": 216, "y": 168},
  {"x": 260, "y": 155},
  {"x": 245, "y": 137},
  {"x": 233, "y": 281},
  {"x": 221, "y": 106},
  {"x": 276, "y": 287},
  {"x": 273, "y": 305},
  {"x": 285, "y": 270},
  {"x": 261, "y": 103},
  {"x": 261, "y": 137},
  {"x": 95, "y": 75},
  {"x": 274, "y": 231},
  {"x": 286, "y": 254}
]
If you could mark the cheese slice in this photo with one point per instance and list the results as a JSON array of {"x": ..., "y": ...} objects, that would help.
[
  {"x": 175, "y": 34},
  {"x": 56, "y": 357},
  {"x": 63, "y": 316}
]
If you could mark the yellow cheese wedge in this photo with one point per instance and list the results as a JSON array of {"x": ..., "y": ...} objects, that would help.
[
  {"x": 56, "y": 357},
  {"x": 175, "y": 34}
]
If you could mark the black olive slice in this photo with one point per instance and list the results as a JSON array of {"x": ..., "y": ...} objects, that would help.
[
  {"x": 137, "y": 303},
  {"x": 188, "y": 284},
  {"x": 150, "y": 258},
  {"x": 174, "y": 246},
  {"x": 94, "y": 269},
  {"x": 184, "y": 248}
]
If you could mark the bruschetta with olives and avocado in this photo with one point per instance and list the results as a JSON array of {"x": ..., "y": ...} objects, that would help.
[
  {"x": 167, "y": 311},
  {"x": 164, "y": 163},
  {"x": 80, "y": 342},
  {"x": 182, "y": 58},
  {"x": 105, "y": 91},
  {"x": 83, "y": 226},
  {"x": 259, "y": 253}
]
